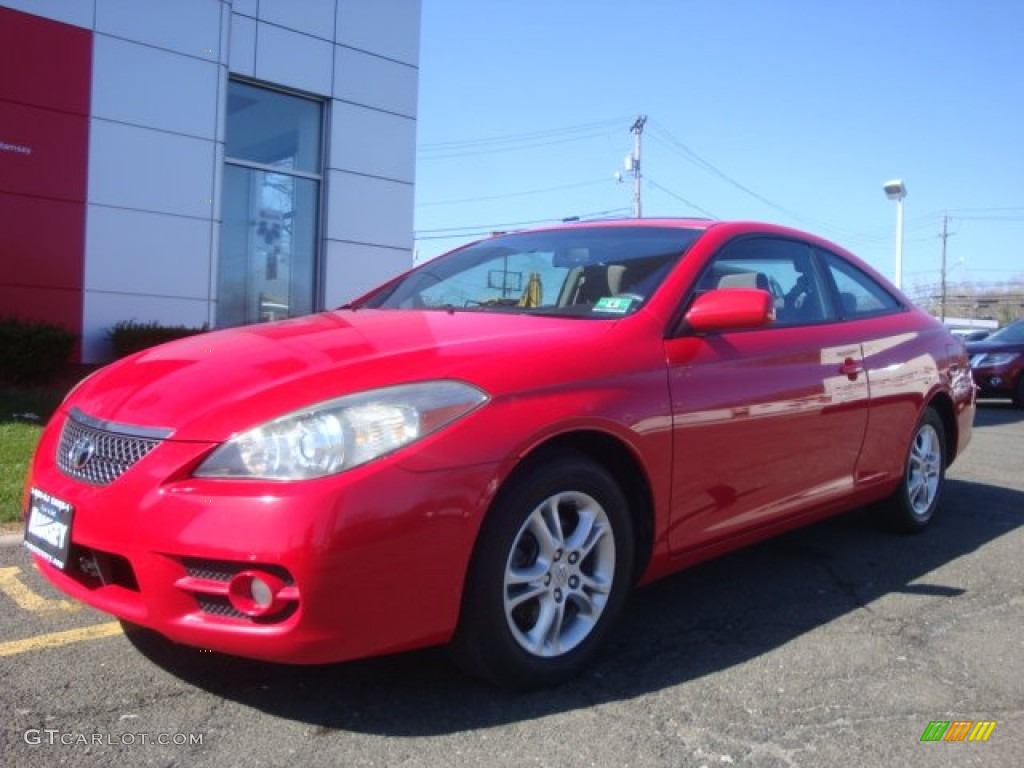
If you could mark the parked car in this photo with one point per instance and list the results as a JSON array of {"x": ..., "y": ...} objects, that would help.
[
  {"x": 969, "y": 335},
  {"x": 998, "y": 363},
  {"x": 491, "y": 450}
]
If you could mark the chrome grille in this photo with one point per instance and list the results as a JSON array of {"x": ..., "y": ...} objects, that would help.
[
  {"x": 220, "y": 606},
  {"x": 216, "y": 605},
  {"x": 210, "y": 570},
  {"x": 99, "y": 452},
  {"x": 225, "y": 570}
]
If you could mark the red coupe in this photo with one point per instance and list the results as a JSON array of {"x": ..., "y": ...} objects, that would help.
[{"x": 492, "y": 449}]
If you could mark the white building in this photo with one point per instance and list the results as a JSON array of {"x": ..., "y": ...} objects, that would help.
[{"x": 202, "y": 161}]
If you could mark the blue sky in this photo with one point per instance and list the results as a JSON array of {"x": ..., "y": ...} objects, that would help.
[{"x": 790, "y": 111}]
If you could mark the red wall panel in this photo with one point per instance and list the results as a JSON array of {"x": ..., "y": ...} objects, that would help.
[
  {"x": 49, "y": 305},
  {"x": 49, "y": 154},
  {"x": 41, "y": 242},
  {"x": 44, "y": 63},
  {"x": 45, "y": 79}
]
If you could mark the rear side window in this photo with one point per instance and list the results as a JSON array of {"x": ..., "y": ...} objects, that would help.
[{"x": 860, "y": 295}]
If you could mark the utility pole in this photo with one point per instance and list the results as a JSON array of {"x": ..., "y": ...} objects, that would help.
[
  {"x": 945, "y": 234},
  {"x": 637, "y": 129}
]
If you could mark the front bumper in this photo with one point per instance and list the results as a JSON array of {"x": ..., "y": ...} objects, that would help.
[
  {"x": 997, "y": 381},
  {"x": 368, "y": 562}
]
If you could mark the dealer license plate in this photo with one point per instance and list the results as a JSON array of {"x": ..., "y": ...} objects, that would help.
[{"x": 48, "y": 527}]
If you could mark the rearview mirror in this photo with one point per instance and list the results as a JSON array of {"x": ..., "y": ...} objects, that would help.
[
  {"x": 567, "y": 258},
  {"x": 731, "y": 309}
]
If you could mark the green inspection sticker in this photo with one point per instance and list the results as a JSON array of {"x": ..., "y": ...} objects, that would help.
[{"x": 613, "y": 304}]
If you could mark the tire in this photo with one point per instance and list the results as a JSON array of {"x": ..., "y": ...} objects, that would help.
[
  {"x": 911, "y": 508},
  {"x": 551, "y": 571},
  {"x": 1018, "y": 391}
]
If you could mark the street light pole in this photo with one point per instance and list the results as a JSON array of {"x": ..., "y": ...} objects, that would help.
[
  {"x": 899, "y": 243},
  {"x": 897, "y": 190}
]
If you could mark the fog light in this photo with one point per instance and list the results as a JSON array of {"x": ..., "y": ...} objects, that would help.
[
  {"x": 260, "y": 591},
  {"x": 255, "y": 593}
]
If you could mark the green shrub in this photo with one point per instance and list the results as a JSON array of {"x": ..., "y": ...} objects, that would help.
[
  {"x": 130, "y": 336},
  {"x": 31, "y": 351}
]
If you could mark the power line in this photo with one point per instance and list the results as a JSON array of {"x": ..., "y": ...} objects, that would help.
[
  {"x": 513, "y": 142},
  {"x": 665, "y": 137},
  {"x": 487, "y": 229},
  {"x": 680, "y": 198},
  {"x": 496, "y": 150},
  {"x": 925, "y": 221},
  {"x": 518, "y": 137},
  {"x": 917, "y": 223},
  {"x": 984, "y": 210},
  {"x": 1014, "y": 219},
  {"x": 476, "y": 198}
]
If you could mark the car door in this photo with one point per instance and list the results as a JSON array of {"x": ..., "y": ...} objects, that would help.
[
  {"x": 769, "y": 421},
  {"x": 897, "y": 362}
]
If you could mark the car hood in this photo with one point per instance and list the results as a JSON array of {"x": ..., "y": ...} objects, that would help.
[
  {"x": 210, "y": 386},
  {"x": 981, "y": 347}
]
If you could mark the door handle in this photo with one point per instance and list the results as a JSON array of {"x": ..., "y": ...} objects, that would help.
[{"x": 851, "y": 368}]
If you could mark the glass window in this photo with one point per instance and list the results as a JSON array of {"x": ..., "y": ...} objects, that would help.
[
  {"x": 860, "y": 295},
  {"x": 784, "y": 268},
  {"x": 503, "y": 280},
  {"x": 594, "y": 272},
  {"x": 270, "y": 205},
  {"x": 273, "y": 128}
]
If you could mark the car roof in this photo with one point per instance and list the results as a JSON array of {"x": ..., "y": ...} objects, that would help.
[
  {"x": 668, "y": 222},
  {"x": 738, "y": 226}
]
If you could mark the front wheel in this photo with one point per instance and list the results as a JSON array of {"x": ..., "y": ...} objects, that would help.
[
  {"x": 911, "y": 508},
  {"x": 550, "y": 574}
]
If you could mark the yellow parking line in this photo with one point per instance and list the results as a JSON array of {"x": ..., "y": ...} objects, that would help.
[
  {"x": 57, "y": 639},
  {"x": 25, "y": 598}
]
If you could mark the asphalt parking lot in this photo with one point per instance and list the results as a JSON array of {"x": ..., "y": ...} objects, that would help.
[{"x": 836, "y": 645}]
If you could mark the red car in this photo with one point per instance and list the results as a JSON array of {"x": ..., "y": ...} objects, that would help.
[
  {"x": 494, "y": 448},
  {"x": 998, "y": 363}
]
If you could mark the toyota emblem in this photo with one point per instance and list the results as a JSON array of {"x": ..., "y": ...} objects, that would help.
[{"x": 80, "y": 452}]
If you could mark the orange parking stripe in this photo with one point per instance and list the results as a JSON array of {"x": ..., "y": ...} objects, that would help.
[
  {"x": 57, "y": 639},
  {"x": 25, "y": 598}
]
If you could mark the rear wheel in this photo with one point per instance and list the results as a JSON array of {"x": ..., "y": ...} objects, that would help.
[
  {"x": 549, "y": 576},
  {"x": 1018, "y": 391},
  {"x": 912, "y": 506}
]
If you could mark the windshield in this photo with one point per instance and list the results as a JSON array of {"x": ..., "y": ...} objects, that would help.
[
  {"x": 595, "y": 272},
  {"x": 1012, "y": 333}
]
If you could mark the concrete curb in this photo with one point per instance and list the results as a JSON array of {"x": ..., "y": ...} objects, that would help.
[{"x": 10, "y": 540}]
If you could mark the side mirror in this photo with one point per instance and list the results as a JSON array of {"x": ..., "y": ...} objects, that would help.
[{"x": 731, "y": 309}]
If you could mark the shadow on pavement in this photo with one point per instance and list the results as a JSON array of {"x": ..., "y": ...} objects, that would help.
[
  {"x": 696, "y": 623},
  {"x": 991, "y": 413}
]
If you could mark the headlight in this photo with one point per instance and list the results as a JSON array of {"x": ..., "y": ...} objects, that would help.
[
  {"x": 340, "y": 434},
  {"x": 993, "y": 359}
]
